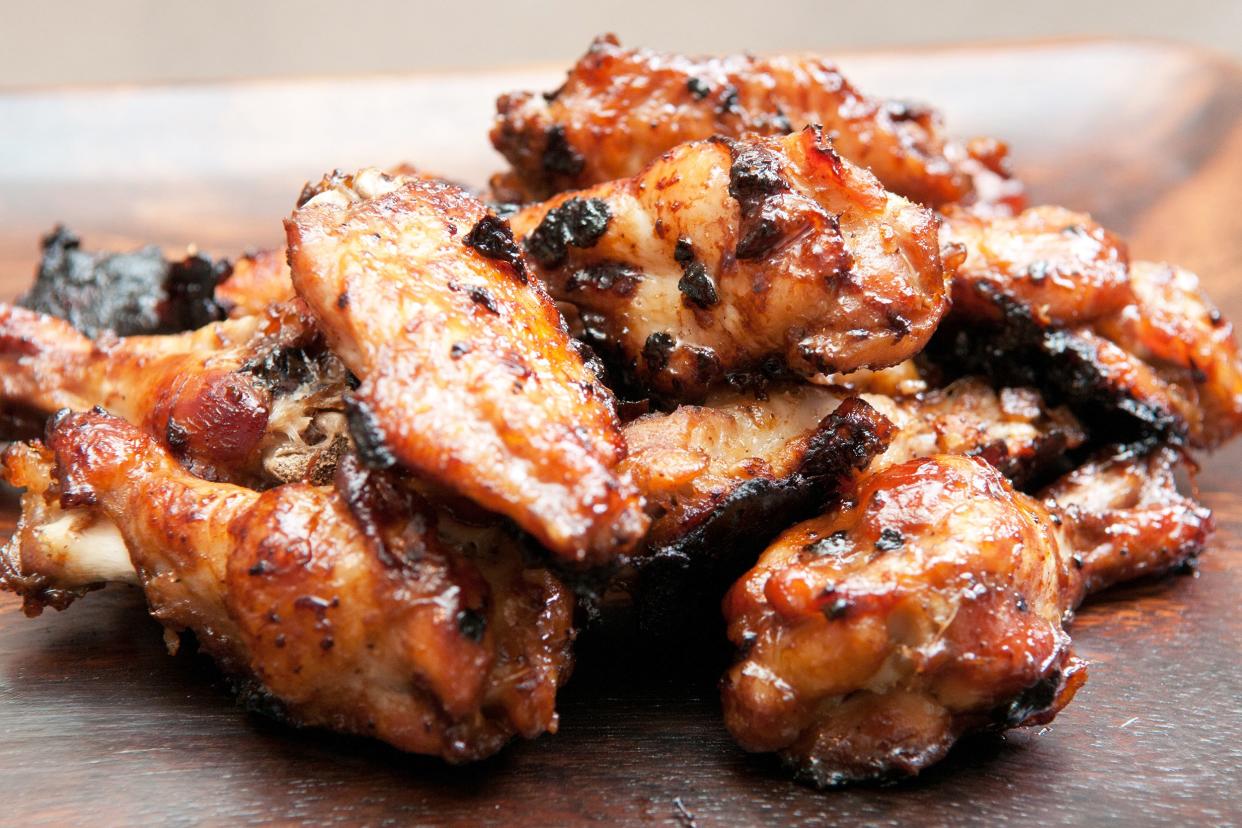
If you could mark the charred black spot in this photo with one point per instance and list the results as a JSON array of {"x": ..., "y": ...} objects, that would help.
[
  {"x": 176, "y": 436},
  {"x": 126, "y": 293},
  {"x": 683, "y": 251},
  {"x": 1019, "y": 602},
  {"x": 577, "y": 222},
  {"x": 728, "y": 100},
  {"x": 459, "y": 350},
  {"x": 780, "y": 122},
  {"x": 836, "y": 608},
  {"x": 614, "y": 277},
  {"x": 493, "y": 238},
  {"x": 656, "y": 351},
  {"x": 1035, "y": 699},
  {"x": 368, "y": 436},
  {"x": 342, "y": 301},
  {"x": 558, "y": 156},
  {"x": 698, "y": 88},
  {"x": 754, "y": 181},
  {"x": 261, "y": 567},
  {"x": 478, "y": 294},
  {"x": 697, "y": 287},
  {"x": 472, "y": 624}
]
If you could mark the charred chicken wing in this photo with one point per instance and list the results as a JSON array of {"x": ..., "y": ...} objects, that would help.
[
  {"x": 727, "y": 257},
  {"x": 468, "y": 374},
  {"x": 349, "y": 606},
  {"x": 932, "y": 602},
  {"x": 619, "y": 109}
]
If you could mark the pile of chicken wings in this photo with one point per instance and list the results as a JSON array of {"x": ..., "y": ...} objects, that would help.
[{"x": 727, "y": 333}]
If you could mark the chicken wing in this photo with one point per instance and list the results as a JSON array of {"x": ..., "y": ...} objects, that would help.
[
  {"x": 725, "y": 257},
  {"x": 350, "y": 607},
  {"x": 468, "y": 373},
  {"x": 256, "y": 400},
  {"x": 721, "y": 480},
  {"x": 620, "y": 109},
  {"x": 1047, "y": 298},
  {"x": 931, "y": 603}
]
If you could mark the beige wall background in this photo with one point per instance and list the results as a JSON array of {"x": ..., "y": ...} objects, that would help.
[{"x": 45, "y": 42}]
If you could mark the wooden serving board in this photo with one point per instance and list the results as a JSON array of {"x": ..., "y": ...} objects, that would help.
[{"x": 98, "y": 725}]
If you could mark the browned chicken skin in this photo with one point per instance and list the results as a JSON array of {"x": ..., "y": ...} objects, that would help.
[
  {"x": 350, "y": 606},
  {"x": 468, "y": 373},
  {"x": 619, "y": 109},
  {"x": 723, "y": 258},
  {"x": 933, "y": 602},
  {"x": 722, "y": 479},
  {"x": 255, "y": 400},
  {"x": 1048, "y": 298}
]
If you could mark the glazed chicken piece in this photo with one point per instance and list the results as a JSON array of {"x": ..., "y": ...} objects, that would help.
[
  {"x": 725, "y": 258},
  {"x": 722, "y": 479},
  {"x": 1047, "y": 298},
  {"x": 468, "y": 374},
  {"x": 1173, "y": 326},
  {"x": 1062, "y": 265},
  {"x": 620, "y": 109},
  {"x": 351, "y": 606},
  {"x": 932, "y": 603},
  {"x": 255, "y": 401},
  {"x": 257, "y": 281}
]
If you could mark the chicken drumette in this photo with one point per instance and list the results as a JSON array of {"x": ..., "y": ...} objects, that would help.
[{"x": 933, "y": 602}]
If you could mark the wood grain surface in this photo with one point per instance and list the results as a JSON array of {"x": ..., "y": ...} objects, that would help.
[{"x": 99, "y": 725}]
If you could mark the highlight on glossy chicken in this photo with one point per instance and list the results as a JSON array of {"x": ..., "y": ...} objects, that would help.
[
  {"x": 620, "y": 109},
  {"x": 933, "y": 602},
  {"x": 357, "y": 606},
  {"x": 468, "y": 374},
  {"x": 726, "y": 258}
]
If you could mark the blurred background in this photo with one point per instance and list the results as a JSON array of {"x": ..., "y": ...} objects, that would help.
[{"x": 137, "y": 41}]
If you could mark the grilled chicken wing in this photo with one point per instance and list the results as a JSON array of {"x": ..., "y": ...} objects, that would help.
[
  {"x": 722, "y": 479},
  {"x": 731, "y": 257},
  {"x": 351, "y": 606},
  {"x": 930, "y": 603},
  {"x": 619, "y": 109},
  {"x": 256, "y": 400},
  {"x": 1062, "y": 265},
  {"x": 469, "y": 376},
  {"x": 1048, "y": 298}
]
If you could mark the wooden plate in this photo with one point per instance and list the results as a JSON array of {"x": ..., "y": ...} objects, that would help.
[{"x": 98, "y": 724}]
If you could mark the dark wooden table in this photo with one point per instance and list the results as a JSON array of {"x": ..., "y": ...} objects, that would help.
[{"x": 97, "y": 724}]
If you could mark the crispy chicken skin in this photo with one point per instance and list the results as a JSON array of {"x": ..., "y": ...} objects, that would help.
[
  {"x": 257, "y": 281},
  {"x": 930, "y": 603},
  {"x": 722, "y": 479},
  {"x": 1174, "y": 326},
  {"x": 339, "y": 606},
  {"x": 255, "y": 400},
  {"x": 726, "y": 257},
  {"x": 1049, "y": 298},
  {"x": 468, "y": 374},
  {"x": 1063, "y": 265},
  {"x": 619, "y": 109}
]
